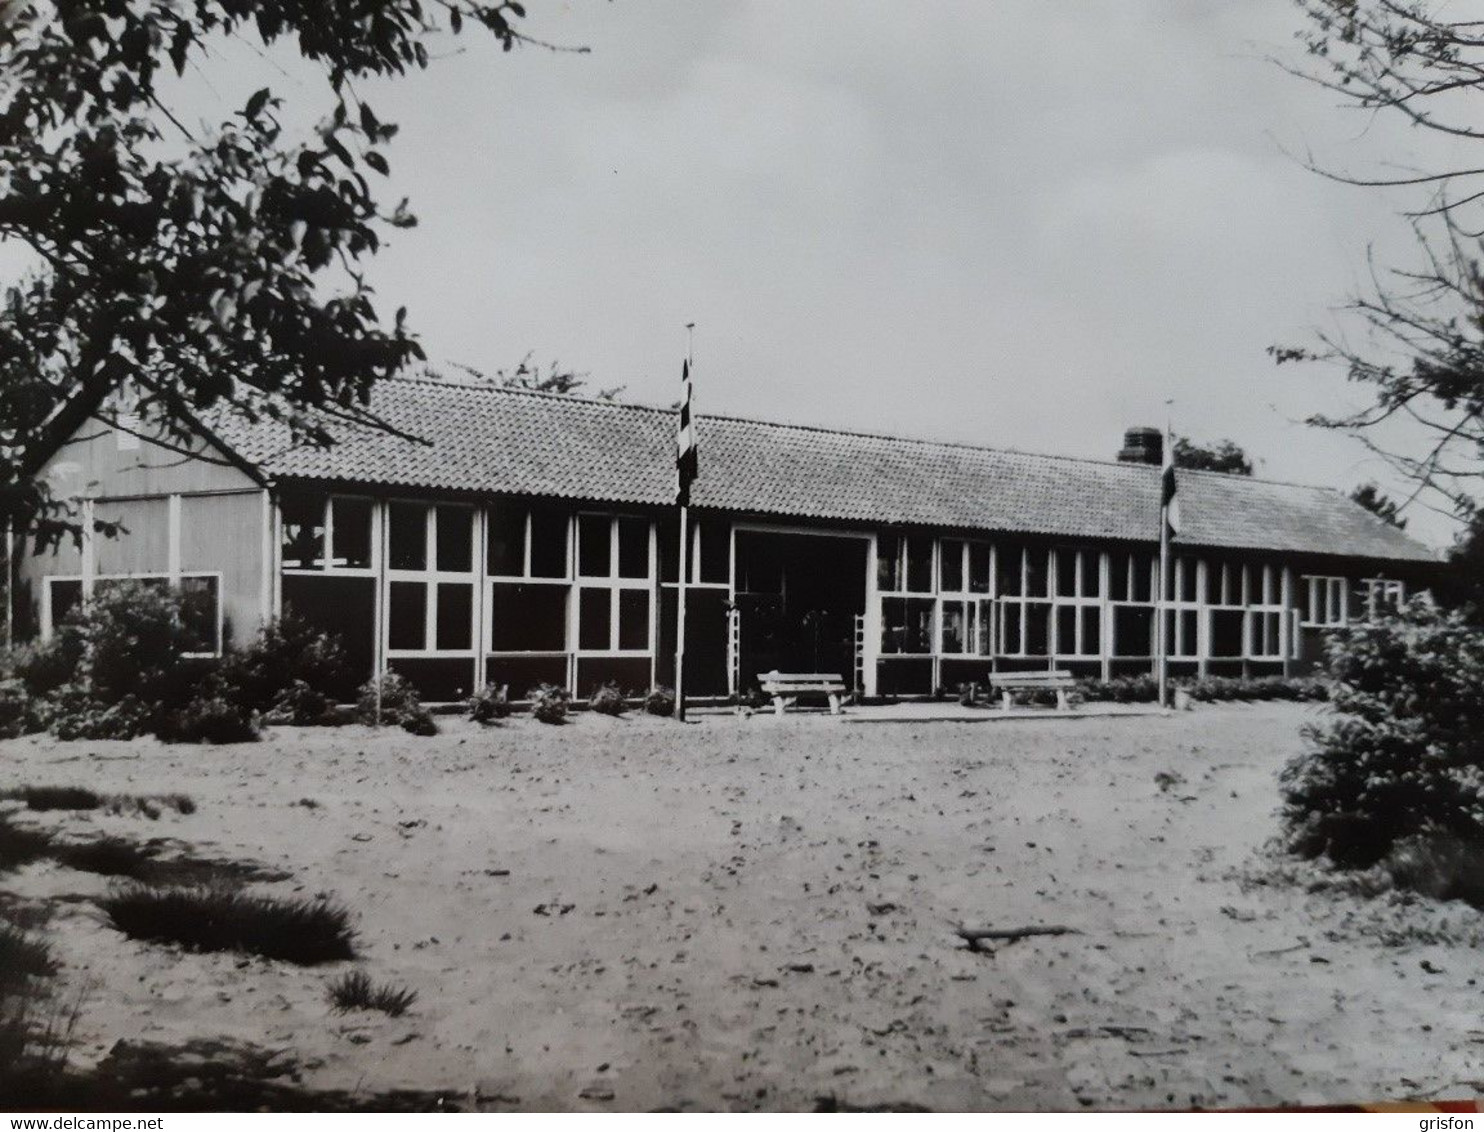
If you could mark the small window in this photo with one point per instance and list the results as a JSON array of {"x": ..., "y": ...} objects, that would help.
[
  {"x": 954, "y": 628},
  {"x": 352, "y": 538},
  {"x": 716, "y": 552},
  {"x": 1010, "y": 619},
  {"x": 1187, "y": 573},
  {"x": 920, "y": 565},
  {"x": 1141, "y": 578},
  {"x": 633, "y": 548},
  {"x": 951, "y": 567},
  {"x": 407, "y": 538},
  {"x": 1092, "y": 581},
  {"x": 1035, "y": 573},
  {"x": 1037, "y": 629},
  {"x": 549, "y": 543},
  {"x": 633, "y": 620},
  {"x": 455, "y": 539},
  {"x": 66, "y": 595},
  {"x": 1092, "y": 629},
  {"x": 1010, "y": 567},
  {"x": 888, "y": 563},
  {"x": 506, "y": 538},
  {"x": 455, "y": 615},
  {"x": 979, "y": 567},
  {"x": 303, "y": 532},
  {"x": 1066, "y": 572},
  {"x": 906, "y": 625},
  {"x": 1066, "y": 629},
  {"x": 1118, "y": 577},
  {"x": 594, "y": 546},
  {"x": 200, "y": 614},
  {"x": 526, "y": 618},
  {"x": 595, "y": 619},
  {"x": 407, "y": 613}
]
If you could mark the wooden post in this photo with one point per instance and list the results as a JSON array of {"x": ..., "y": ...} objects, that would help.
[{"x": 680, "y": 587}]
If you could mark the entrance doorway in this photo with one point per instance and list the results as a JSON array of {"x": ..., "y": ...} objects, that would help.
[{"x": 798, "y": 596}]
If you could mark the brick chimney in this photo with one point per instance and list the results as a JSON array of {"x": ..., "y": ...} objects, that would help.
[{"x": 1142, "y": 446}]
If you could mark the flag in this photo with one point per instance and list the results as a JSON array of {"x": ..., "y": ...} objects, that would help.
[
  {"x": 1169, "y": 501},
  {"x": 685, "y": 442}
]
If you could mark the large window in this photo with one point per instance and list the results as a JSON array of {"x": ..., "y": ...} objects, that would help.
[
  {"x": 1380, "y": 596},
  {"x": 1024, "y": 579},
  {"x": 615, "y": 574},
  {"x": 200, "y": 604},
  {"x": 965, "y": 575},
  {"x": 330, "y": 533},
  {"x": 1325, "y": 601},
  {"x": 528, "y": 553},
  {"x": 430, "y": 579},
  {"x": 904, "y": 568}
]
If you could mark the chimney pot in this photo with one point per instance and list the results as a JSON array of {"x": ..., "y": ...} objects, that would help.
[{"x": 1142, "y": 446}]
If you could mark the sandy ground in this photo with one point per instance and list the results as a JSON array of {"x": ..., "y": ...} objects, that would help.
[{"x": 757, "y": 914}]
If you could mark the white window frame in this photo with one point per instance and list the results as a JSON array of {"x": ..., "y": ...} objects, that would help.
[
  {"x": 977, "y": 608},
  {"x": 48, "y": 624},
  {"x": 526, "y": 578},
  {"x": 1326, "y": 601},
  {"x": 431, "y": 577},
  {"x": 614, "y": 584}
]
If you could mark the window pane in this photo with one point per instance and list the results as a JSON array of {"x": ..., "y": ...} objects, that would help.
[
  {"x": 633, "y": 548},
  {"x": 1092, "y": 627},
  {"x": 907, "y": 625},
  {"x": 1066, "y": 572},
  {"x": 1035, "y": 573},
  {"x": 1037, "y": 629},
  {"x": 1118, "y": 576},
  {"x": 1066, "y": 629},
  {"x": 1226, "y": 633},
  {"x": 594, "y": 542},
  {"x": 303, "y": 532},
  {"x": 407, "y": 614},
  {"x": 506, "y": 534},
  {"x": 888, "y": 563},
  {"x": 1009, "y": 572},
  {"x": 983, "y": 638},
  {"x": 979, "y": 567},
  {"x": 198, "y": 613},
  {"x": 549, "y": 543},
  {"x": 1133, "y": 628},
  {"x": 1092, "y": 581},
  {"x": 455, "y": 615},
  {"x": 633, "y": 619},
  {"x": 595, "y": 617},
  {"x": 1141, "y": 575},
  {"x": 1010, "y": 628},
  {"x": 455, "y": 539},
  {"x": 407, "y": 538},
  {"x": 716, "y": 551},
  {"x": 352, "y": 548},
  {"x": 920, "y": 565},
  {"x": 1187, "y": 643},
  {"x": 951, "y": 566},
  {"x": 66, "y": 596},
  {"x": 1189, "y": 576},
  {"x": 953, "y": 627},
  {"x": 528, "y": 618}
]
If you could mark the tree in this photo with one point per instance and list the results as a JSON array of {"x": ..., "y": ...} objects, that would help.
[
  {"x": 1421, "y": 360},
  {"x": 1376, "y": 501},
  {"x": 528, "y": 375},
  {"x": 1222, "y": 456},
  {"x": 214, "y": 267}
]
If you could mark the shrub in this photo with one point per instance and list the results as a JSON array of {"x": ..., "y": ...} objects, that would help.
[
  {"x": 286, "y": 653},
  {"x": 19, "y": 710},
  {"x": 107, "y": 856},
  {"x": 79, "y": 715},
  {"x": 490, "y": 703},
  {"x": 398, "y": 700},
  {"x": 549, "y": 703},
  {"x": 355, "y": 991},
  {"x": 1440, "y": 867},
  {"x": 1402, "y": 757},
  {"x": 20, "y": 845},
  {"x": 660, "y": 701},
  {"x": 298, "y": 703},
  {"x": 220, "y": 919},
  {"x": 209, "y": 720},
  {"x": 419, "y": 722},
  {"x": 44, "y": 798},
  {"x": 607, "y": 700}
]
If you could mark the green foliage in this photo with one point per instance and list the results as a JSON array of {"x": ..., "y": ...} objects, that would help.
[
  {"x": 549, "y": 703},
  {"x": 221, "y": 919},
  {"x": 203, "y": 264},
  {"x": 1402, "y": 757},
  {"x": 399, "y": 700},
  {"x": 490, "y": 703},
  {"x": 607, "y": 700},
  {"x": 1222, "y": 456},
  {"x": 355, "y": 991},
  {"x": 660, "y": 701}
]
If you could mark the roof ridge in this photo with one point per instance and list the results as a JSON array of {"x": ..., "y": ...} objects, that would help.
[{"x": 829, "y": 430}]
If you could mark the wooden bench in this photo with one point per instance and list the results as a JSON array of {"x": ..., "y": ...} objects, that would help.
[
  {"x": 785, "y": 687},
  {"x": 1059, "y": 680}
]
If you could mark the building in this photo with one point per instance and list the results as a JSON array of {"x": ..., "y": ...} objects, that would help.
[{"x": 521, "y": 537}]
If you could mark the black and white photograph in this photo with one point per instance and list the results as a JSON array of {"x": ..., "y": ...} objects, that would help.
[{"x": 742, "y": 556}]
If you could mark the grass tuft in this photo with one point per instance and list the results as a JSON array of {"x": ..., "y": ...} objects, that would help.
[
  {"x": 20, "y": 845},
  {"x": 56, "y": 797},
  {"x": 222, "y": 919},
  {"x": 355, "y": 991},
  {"x": 23, "y": 955}
]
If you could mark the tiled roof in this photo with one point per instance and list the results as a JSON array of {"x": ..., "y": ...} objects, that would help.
[{"x": 492, "y": 440}]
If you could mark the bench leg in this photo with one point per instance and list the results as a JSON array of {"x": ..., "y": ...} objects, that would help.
[
  {"x": 778, "y": 706},
  {"x": 1061, "y": 699},
  {"x": 1005, "y": 701},
  {"x": 834, "y": 703}
]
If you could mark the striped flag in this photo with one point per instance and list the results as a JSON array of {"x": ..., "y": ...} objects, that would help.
[
  {"x": 685, "y": 442},
  {"x": 1169, "y": 501}
]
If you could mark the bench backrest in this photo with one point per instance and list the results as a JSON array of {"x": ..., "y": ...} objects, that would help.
[{"x": 1033, "y": 679}]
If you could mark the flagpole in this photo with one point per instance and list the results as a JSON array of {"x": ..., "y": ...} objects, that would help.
[
  {"x": 683, "y": 576},
  {"x": 1162, "y": 646}
]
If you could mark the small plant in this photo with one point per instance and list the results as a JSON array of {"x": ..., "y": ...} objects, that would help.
[
  {"x": 106, "y": 856},
  {"x": 20, "y": 845},
  {"x": 490, "y": 703},
  {"x": 419, "y": 722},
  {"x": 660, "y": 701},
  {"x": 398, "y": 699},
  {"x": 56, "y": 797},
  {"x": 607, "y": 700},
  {"x": 221, "y": 919},
  {"x": 298, "y": 704},
  {"x": 549, "y": 703},
  {"x": 355, "y": 991},
  {"x": 211, "y": 719},
  {"x": 968, "y": 694}
]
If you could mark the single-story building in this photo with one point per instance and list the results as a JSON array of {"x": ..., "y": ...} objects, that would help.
[{"x": 517, "y": 537}]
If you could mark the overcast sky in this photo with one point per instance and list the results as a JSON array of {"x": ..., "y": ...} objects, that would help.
[{"x": 1005, "y": 222}]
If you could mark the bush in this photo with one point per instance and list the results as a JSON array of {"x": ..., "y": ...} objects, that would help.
[
  {"x": 18, "y": 710},
  {"x": 399, "y": 700},
  {"x": 489, "y": 704},
  {"x": 300, "y": 704},
  {"x": 419, "y": 722},
  {"x": 44, "y": 798},
  {"x": 286, "y": 654},
  {"x": 78, "y": 715},
  {"x": 660, "y": 701},
  {"x": 607, "y": 700},
  {"x": 549, "y": 703},
  {"x": 220, "y": 919},
  {"x": 209, "y": 719},
  {"x": 1402, "y": 758},
  {"x": 355, "y": 991}
]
